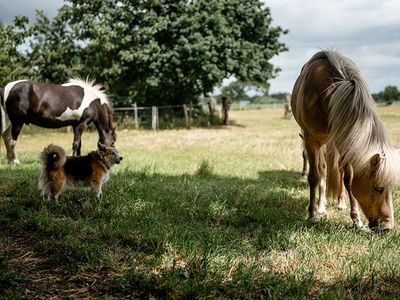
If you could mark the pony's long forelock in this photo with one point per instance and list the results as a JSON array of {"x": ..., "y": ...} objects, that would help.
[
  {"x": 96, "y": 89},
  {"x": 355, "y": 128}
]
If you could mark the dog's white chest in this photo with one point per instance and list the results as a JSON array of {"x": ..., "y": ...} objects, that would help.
[{"x": 106, "y": 177}]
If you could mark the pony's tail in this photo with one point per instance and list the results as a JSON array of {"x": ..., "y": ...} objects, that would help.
[
  {"x": 3, "y": 115},
  {"x": 52, "y": 157},
  {"x": 333, "y": 178}
]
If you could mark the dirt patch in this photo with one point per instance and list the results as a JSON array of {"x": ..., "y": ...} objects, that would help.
[{"x": 31, "y": 273}]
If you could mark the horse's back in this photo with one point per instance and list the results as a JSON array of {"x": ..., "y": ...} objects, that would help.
[
  {"x": 57, "y": 96},
  {"x": 310, "y": 97},
  {"x": 39, "y": 103}
]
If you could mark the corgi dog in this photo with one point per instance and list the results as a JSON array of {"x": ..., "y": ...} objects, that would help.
[{"x": 61, "y": 171}]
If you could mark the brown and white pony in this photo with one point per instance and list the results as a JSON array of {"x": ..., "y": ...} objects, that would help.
[
  {"x": 76, "y": 103},
  {"x": 332, "y": 105}
]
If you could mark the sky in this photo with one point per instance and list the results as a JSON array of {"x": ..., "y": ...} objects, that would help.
[
  {"x": 11, "y": 8},
  {"x": 368, "y": 31}
]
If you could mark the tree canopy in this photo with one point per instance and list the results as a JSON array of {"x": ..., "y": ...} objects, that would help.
[
  {"x": 13, "y": 62},
  {"x": 238, "y": 90},
  {"x": 156, "y": 52},
  {"x": 390, "y": 93}
]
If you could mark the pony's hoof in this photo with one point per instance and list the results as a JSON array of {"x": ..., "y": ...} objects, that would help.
[
  {"x": 323, "y": 214},
  {"x": 313, "y": 220},
  {"x": 14, "y": 162},
  {"x": 341, "y": 205},
  {"x": 363, "y": 229},
  {"x": 358, "y": 225},
  {"x": 303, "y": 178}
]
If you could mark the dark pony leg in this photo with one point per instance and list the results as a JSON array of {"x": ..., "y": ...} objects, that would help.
[
  {"x": 304, "y": 173},
  {"x": 354, "y": 211},
  {"x": 10, "y": 136},
  {"x": 76, "y": 144},
  {"x": 313, "y": 152}
]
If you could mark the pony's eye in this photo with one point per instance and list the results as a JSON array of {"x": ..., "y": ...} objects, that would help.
[{"x": 379, "y": 189}]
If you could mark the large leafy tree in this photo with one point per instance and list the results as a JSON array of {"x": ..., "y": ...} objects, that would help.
[
  {"x": 54, "y": 50},
  {"x": 13, "y": 62},
  {"x": 159, "y": 51}
]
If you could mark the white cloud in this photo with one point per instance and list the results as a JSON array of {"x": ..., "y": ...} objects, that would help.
[{"x": 366, "y": 30}]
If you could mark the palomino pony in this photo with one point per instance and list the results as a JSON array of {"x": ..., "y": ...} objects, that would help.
[
  {"x": 332, "y": 105},
  {"x": 76, "y": 103}
]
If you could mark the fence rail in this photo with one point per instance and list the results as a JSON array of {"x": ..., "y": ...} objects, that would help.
[{"x": 187, "y": 111}]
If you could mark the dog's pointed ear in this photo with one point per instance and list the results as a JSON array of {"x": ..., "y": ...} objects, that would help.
[{"x": 101, "y": 147}]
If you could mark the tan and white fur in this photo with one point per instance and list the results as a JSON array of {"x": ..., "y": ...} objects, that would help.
[{"x": 60, "y": 171}]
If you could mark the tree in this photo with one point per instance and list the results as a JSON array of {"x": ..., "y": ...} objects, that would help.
[
  {"x": 53, "y": 49},
  {"x": 13, "y": 63},
  {"x": 235, "y": 91},
  {"x": 390, "y": 93},
  {"x": 154, "y": 52},
  {"x": 238, "y": 90}
]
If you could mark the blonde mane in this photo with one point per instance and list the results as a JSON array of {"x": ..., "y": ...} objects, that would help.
[{"x": 355, "y": 128}]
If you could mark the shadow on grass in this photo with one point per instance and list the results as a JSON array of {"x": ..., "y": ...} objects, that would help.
[{"x": 177, "y": 236}]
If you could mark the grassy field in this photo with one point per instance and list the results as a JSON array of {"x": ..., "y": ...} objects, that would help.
[{"x": 201, "y": 213}]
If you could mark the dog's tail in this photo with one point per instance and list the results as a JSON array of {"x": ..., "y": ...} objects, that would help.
[{"x": 53, "y": 157}]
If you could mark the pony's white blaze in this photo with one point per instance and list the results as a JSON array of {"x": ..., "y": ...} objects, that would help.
[
  {"x": 9, "y": 87},
  {"x": 91, "y": 92}
]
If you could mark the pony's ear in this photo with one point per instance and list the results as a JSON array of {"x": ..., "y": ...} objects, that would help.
[
  {"x": 101, "y": 147},
  {"x": 375, "y": 162}
]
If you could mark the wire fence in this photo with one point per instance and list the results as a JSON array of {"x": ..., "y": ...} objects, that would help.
[
  {"x": 175, "y": 116},
  {"x": 165, "y": 116}
]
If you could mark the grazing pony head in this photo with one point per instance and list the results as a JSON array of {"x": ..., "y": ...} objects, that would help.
[
  {"x": 109, "y": 135},
  {"x": 374, "y": 195}
]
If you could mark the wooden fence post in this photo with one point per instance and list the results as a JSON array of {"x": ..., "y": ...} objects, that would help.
[
  {"x": 154, "y": 118},
  {"x": 190, "y": 113},
  {"x": 212, "y": 103},
  {"x": 135, "y": 115},
  {"x": 158, "y": 118},
  {"x": 185, "y": 112}
]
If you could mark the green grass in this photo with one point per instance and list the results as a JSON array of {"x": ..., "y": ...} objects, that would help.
[{"x": 201, "y": 213}]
